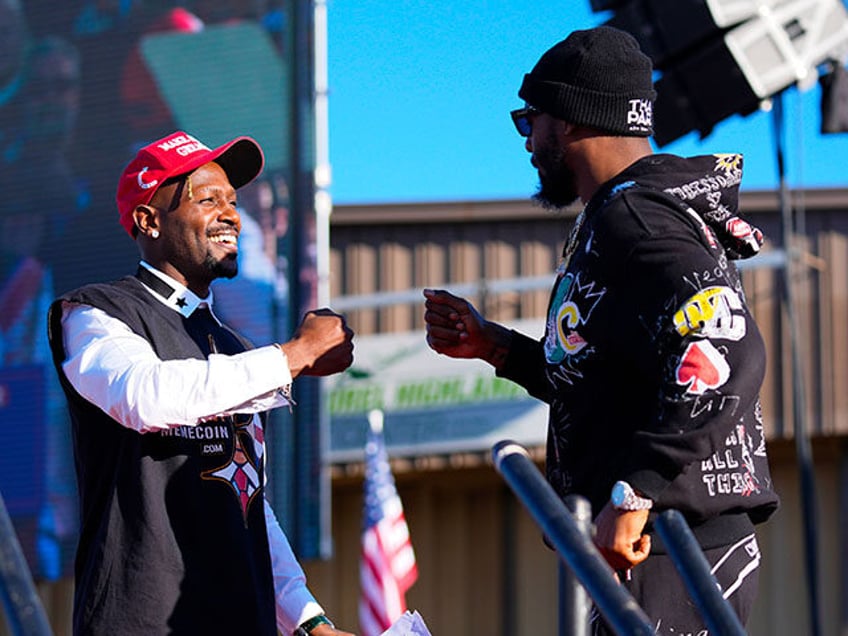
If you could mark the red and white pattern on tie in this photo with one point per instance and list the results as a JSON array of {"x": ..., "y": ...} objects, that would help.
[{"x": 243, "y": 471}]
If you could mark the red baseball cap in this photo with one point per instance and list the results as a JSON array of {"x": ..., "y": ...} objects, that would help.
[{"x": 177, "y": 154}]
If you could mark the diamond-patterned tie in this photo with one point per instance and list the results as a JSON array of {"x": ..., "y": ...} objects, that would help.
[
  {"x": 241, "y": 482},
  {"x": 209, "y": 335},
  {"x": 244, "y": 466}
]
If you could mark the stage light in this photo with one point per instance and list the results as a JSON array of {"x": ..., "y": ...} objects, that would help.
[
  {"x": 717, "y": 58},
  {"x": 699, "y": 91},
  {"x": 605, "y": 5},
  {"x": 784, "y": 44},
  {"x": 668, "y": 29}
]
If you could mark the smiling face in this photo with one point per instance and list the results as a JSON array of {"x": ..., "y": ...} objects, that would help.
[{"x": 198, "y": 227}]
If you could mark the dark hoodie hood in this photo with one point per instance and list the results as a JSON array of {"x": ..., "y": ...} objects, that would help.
[{"x": 709, "y": 184}]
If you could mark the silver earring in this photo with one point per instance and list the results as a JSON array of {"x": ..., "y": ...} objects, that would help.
[{"x": 154, "y": 234}]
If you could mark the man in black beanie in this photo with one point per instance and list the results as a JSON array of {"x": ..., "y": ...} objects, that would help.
[{"x": 651, "y": 362}]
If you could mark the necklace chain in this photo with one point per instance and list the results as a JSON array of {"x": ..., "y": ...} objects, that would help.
[{"x": 571, "y": 244}]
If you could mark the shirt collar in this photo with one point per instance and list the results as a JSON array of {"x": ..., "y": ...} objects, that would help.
[{"x": 170, "y": 292}]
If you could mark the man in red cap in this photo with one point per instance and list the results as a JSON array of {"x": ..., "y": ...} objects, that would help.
[{"x": 167, "y": 407}]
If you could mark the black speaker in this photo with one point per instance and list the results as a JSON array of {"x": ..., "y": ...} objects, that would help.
[
  {"x": 700, "y": 91},
  {"x": 605, "y": 5},
  {"x": 834, "y": 99},
  {"x": 667, "y": 29},
  {"x": 717, "y": 58}
]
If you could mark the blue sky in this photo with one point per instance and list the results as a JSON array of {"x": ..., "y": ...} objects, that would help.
[{"x": 420, "y": 93}]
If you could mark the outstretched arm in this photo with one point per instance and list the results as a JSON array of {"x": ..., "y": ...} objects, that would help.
[
  {"x": 118, "y": 370},
  {"x": 456, "y": 329}
]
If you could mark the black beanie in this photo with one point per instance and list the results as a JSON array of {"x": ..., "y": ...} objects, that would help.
[{"x": 597, "y": 78}]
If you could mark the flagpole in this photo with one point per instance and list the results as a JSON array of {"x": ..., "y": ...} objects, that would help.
[
  {"x": 375, "y": 421},
  {"x": 387, "y": 566},
  {"x": 803, "y": 448}
]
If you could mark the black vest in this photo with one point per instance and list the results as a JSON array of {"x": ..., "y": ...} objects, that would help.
[{"x": 171, "y": 540}]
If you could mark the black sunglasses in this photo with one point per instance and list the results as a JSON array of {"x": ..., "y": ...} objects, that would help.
[{"x": 523, "y": 119}]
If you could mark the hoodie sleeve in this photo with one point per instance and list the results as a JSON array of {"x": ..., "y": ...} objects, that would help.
[{"x": 525, "y": 365}]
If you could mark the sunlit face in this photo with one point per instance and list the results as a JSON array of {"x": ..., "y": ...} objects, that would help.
[
  {"x": 198, "y": 240},
  {"x": 557, "y": 182}
]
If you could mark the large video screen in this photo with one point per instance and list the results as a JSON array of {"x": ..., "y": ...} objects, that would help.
[{"x": 83, "y": 85}]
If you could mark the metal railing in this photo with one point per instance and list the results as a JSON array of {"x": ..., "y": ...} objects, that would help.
[
  {"x": 695, "y": 571},
  {"x": 567, "y": 529},
  {"x": 575, "y": 606},
  {"x": 614, "y": 602},
  {"x": 773, "y": 259}
]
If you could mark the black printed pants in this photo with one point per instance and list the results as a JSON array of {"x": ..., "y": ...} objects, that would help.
[{"x": 657, "y": 587}]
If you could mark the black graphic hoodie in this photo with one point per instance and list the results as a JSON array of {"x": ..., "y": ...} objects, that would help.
[{"x": 651, "y": 361}]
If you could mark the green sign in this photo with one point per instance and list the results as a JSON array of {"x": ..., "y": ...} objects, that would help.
[{"x": 431, "y": 403}]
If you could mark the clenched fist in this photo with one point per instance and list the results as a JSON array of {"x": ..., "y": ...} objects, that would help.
[
  {"x": 321, "y": 345},
  {"x": 456, "y": 329}
]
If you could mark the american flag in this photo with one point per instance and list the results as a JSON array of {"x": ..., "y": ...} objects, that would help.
[{"x": 388, "y": 568}]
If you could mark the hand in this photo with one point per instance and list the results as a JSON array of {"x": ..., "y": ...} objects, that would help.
[
  {"x": 321, "y": 345},
  {"x": 456, "y": 329},
  {"x": 619, "y": 537}
]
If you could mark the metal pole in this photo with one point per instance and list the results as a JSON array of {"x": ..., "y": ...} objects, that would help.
[
  {"x": 696, "y": 574},
  {"x": 616, "y": 604},
  {"x": 323, "y": 174},
  {"x": 323, "y": 208},
  {"x": 574, "y": 604},
  {"x": 799, "y": 410},
  {"x": 24, "y": 612},
  {"x": 307, "y": 531}
]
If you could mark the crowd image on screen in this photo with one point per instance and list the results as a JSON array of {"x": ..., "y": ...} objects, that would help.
[{"x": 78, "y": 97}]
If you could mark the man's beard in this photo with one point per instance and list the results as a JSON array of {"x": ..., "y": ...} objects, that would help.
[
  {"x": 557, "y": 187},
  {"x": 222, "y": 268}
]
